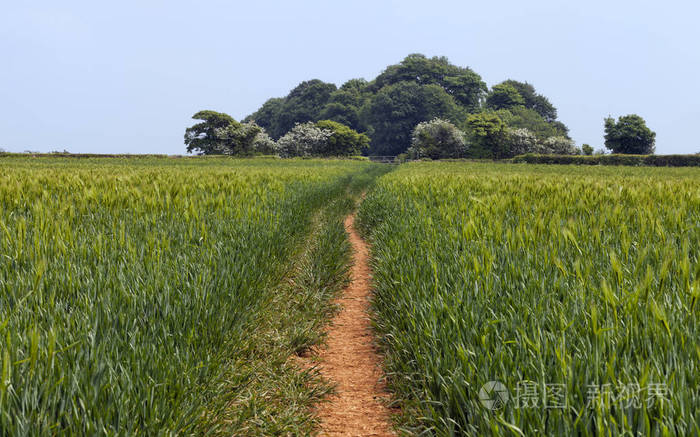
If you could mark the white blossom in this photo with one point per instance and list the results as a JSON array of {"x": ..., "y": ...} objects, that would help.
[
  {"x": 436, "y": 139},
  {"x": 303, "y": 140}
]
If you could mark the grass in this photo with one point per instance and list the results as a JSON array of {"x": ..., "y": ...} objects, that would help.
[
  {"x": 135, "y": 294},
  {"x": 561, "y": 280}
]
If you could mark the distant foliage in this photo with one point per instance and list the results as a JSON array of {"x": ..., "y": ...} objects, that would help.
[
  {"x": 237, "y": 139},
  {"x": 388, "y": 109},
  {"x": 263, "y": 144},
  {"x": 629, "y": 135},
  {"x": 344, "y": 141},
  {"x": 520, "y": 117},
  {"x": 488, "y": 136},
  {"x": 586, "y": 149},
  {"x": 203, "y": 138},
  {"x": 532, "y": 100},
  {"x": 523, "y": 141},
  {"x": 437, "y": 139},
  {"x": 305, "y": 139},
  {"x": 491, "y": 138},
  {"x": 417, "y": 89},
  {"x": 620, "y": 159},
  {"x": 398, "y": 108},
  {"x": 220, "y": 134},
  {"x": 268, "y": 117},
  {"x": 559, "y": 146},
  {"x": 504, "y": 96},
  {"x": 463, "y": 84}
]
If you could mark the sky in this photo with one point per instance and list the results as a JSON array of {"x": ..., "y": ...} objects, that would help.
[{"x": 126, "y": 77}]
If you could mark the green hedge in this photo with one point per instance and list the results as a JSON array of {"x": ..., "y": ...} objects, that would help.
[{"x": 636, "y": 160}]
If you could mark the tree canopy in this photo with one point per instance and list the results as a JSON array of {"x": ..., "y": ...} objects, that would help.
[
  {"x": 417, "y": 89},
  {"x": 504, "y": 96},
  {"x": 463, "y": 84},
  {"x": 629, "y": 135},
  {"x": 203, "y": 137},
  {"x": 397, "y": 109},
  {"x": 344, "y": 141}
]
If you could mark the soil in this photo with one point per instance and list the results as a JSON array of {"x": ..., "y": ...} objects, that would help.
[{"x": 359, "y": 405}]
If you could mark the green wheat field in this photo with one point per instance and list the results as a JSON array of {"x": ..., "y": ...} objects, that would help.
[{"x": 164, "y": 296}]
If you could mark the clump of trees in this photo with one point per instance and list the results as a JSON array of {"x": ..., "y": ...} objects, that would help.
[
  {"x": 220, "y": 134},
  {"x": 416, "y": 90},
  {"x": 420, "y": 105},
  {"x": 325, "y": 138}
]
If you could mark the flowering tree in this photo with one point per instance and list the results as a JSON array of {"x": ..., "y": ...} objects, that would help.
[
  {"x": 523, "y": 141},
  {"x": 304, "y": 139},
  {"x": 559, "y": 146},
  {"x": 237, "y": 138},
  {"x": 437, "y": 139},
  {"x": 263, "y": 144}
]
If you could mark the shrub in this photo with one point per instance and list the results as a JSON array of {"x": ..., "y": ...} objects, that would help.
[
  {"x": 558, "y": 146},
  {"x": 523, "y": 141},
  {"x": 437, "y": 139},
  {"x": 629, "y": 160},
  {"x": 263, "y": 144},
  {"x": 304, "y": 139},
  {"x": 344, "y": 141}
]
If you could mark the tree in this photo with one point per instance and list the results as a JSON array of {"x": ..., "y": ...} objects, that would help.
[
  {"x": 522, "y": 141},
  {"x": 263, "y": 144},
  {"x": 237, "y": 138},
  {"x": 305, "y": 139},
  {"x": 518, "y": 117},
  {"x": 559, "y": 146},
  {"x": 347, "y": 115},
  {"x": 534, "y": 101},
  {"x": 415, "y": 90},
  {"x": 304, "y": 103},
  {"x": 267, "y": 116},
  {"x": 586, "y": 149},
  {"x": 397, "y": 109},
  {"x": 202, "y": 137},
  {"x": 220, "y": 134},
  {"x": 489, "y": 136},
  {"x": 504, "y": 96},
  {"x": 437, "y": 139},
  {"x": 463, "y": 84},
  {"x": 343, "y": 141},
  {"x": 630, "y": 135}
]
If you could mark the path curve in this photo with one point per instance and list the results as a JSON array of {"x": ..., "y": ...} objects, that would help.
[{"x": 358, "y": 407}]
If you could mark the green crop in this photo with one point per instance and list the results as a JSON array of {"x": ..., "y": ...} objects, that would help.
[
  {"x": 128, "y": 287},
  {"x": 578, "y": 284}
]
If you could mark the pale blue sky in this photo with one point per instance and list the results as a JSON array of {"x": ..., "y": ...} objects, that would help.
[{"x": 125, "y": 77}]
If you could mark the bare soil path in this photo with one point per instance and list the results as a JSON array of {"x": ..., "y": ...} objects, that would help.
[{"x": 358, "y": 407}]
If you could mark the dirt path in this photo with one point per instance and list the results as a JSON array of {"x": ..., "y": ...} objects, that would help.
[{"x": 358, "y": 407}]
